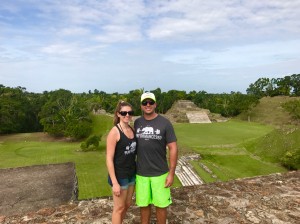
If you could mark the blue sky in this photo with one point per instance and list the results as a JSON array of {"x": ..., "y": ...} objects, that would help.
[{"x": 118, "y": 46}]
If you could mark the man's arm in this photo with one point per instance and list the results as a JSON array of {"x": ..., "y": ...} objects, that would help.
[{"x": 173, "y": 156}]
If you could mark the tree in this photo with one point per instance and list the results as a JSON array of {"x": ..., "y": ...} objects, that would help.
[
  {"x": 200, "y": 98},
  {"x": 295, "y": 84},
  {"x": 259, "y": 88},
  {"x": 134, "y": 98},
  {"x": 191, "y": 95},
  {"x": 271, "y": 89},
  {"x": 17, "y": 111},
  {"x": 66, "y": 114},
  {"x": 78, "y": 119},
  {"x": 284, "y": 86},
  {"x": 241, "y": 103},
  {"x": 36, "y": 101},
  {"x": 287, "y": 86}
]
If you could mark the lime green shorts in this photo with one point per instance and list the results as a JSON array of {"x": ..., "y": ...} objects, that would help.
[{"x": 151, "y": 190}]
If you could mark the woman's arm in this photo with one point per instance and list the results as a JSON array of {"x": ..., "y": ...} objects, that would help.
[{"x": 111, "y": 142}]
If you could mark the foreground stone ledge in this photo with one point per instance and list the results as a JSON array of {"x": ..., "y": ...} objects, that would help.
[
  {"x": 29, "y": 188},
  {"x": 273, "y": 199}
]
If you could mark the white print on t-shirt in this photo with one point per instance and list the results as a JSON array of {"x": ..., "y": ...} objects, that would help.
[
  {"x": 148, "y": 133},
  {"x": 130, "y": 148},
  {"x": 147, "y": 130}
]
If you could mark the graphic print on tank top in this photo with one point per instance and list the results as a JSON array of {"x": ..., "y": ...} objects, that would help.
[{"x": 130, "y": 149}]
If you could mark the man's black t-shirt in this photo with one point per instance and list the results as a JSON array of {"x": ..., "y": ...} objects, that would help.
[{"x": 152, "y": 138}]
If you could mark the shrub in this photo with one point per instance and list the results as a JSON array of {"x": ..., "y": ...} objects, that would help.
[
  {"x": 83, "y": 146},
  {"x": 91, "y": 143},
  {"x": 293, "y": 107},
  {"x": 79, "y": 130},
  {"x": 291, "y": 159}
]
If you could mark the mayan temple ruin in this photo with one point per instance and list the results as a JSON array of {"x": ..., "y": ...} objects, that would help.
[{"x": 185, "y": 111}]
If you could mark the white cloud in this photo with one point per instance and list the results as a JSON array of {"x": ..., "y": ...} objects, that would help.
[
  {"x": 75, "y": 31},
  {"x": 116, "y": 33},
  {"x": 238, "y": 56},
  {"x": 149, "y": 41}
]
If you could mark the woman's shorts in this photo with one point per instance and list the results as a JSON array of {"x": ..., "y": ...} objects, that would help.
[
  {"x": 152, "y": 190},
  {"x": 124, "y": 182}
]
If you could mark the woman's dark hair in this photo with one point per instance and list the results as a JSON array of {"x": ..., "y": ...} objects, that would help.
[{"x": 118, "y": 109}]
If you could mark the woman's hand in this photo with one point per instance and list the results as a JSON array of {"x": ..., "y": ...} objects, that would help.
[{"x": 116, "y": 189}]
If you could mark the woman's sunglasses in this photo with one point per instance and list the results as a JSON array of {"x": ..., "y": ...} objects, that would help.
[
  {"x": 145, "y": 102},
  {"x": 124, "y": 113}
]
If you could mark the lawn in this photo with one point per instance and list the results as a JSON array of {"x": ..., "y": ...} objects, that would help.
[
  {"x": 218, "y": 134},
  {"x": 220, "y": 145},
  {"x": 90, "y": 166},
  {"x": 36, "y": 148}
]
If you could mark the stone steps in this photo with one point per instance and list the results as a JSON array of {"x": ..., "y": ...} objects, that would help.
[
  {"x": 197, "y": 117},
  {"x": 186, "y": 175}
]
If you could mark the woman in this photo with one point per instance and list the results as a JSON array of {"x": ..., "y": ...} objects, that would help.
[{"x": 120, "y": 161}]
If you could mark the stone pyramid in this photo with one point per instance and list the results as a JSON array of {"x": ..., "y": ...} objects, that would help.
[{"x": 185, "y": 111}]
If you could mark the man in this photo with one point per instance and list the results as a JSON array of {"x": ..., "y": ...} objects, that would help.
[{"x": 154, "y": 177}]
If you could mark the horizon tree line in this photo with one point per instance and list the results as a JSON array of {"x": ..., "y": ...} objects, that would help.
[{"x": 63, "y": 113}]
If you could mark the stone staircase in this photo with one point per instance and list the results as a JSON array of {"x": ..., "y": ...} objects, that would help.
[
  {"x": 185, "y": 173},
  {"x": 185, "y": 111},
  {"x": 198, "y": 117}
]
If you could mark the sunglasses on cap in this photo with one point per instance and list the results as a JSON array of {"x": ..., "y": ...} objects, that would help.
[
  {"x": 124, "y": 113},
  {"x": 145, "y": 102}
]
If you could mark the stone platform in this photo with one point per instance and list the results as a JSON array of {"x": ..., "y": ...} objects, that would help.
[
  {"x": 271, "y": 199},
  {"x": 31, "y": 188}
]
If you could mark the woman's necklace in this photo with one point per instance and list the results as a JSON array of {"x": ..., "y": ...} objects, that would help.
[
  {"x": 122, "y": 128},
  {"x": 128, "y": 134}
]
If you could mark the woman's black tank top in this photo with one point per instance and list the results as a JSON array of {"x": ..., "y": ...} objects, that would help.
[{"x": 125, "y": 156}]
